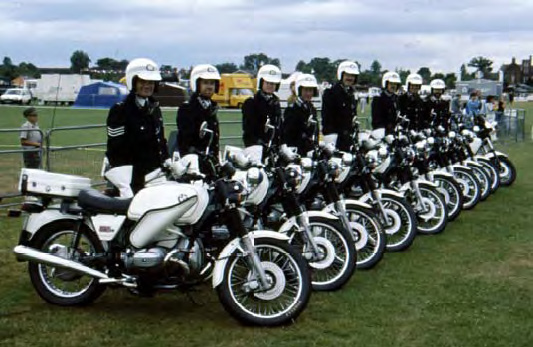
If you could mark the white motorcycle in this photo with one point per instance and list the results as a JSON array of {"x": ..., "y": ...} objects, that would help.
[{"x": 168, "y": 236}]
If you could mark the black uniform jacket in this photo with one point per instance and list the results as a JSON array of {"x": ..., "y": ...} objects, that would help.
[
  {"x": 255, "y": 112},
  {"x": 297, "y": 131},
  {"x": 135, "y": 136},
  {"x": 339, "y": 107},
  {"x": 437, "y": 112},
  {"x": 190, "y": 117},
  {"x": 385, "y": 111},
  {"x": 412, "y": 106}
]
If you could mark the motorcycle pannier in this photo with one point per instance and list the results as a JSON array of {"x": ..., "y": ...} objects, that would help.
[{"x": 40, "y": 182}]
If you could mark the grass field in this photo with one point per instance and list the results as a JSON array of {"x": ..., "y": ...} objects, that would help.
[{"x": 470, "y": 286}]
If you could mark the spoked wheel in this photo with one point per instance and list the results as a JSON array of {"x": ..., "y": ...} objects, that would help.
[
  {"x": 287, "y": 293},
  {"x": 61, "y": 286},
  {"x": 399, "y": 223},
  {"x": 507, "y": 171},
  {"x": 469, "y": 187},
  {"x": 434, "y": 215},
  {"x": 450, "y": 189},
  {"x": 484, "y": 182},
  {"x": 492, "y": 171},
  {"x": 370, "y": 240},
  {"x": 337, "y": 260}
]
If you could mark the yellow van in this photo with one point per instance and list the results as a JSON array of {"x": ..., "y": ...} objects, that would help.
[{"x": 234, "y": 89}]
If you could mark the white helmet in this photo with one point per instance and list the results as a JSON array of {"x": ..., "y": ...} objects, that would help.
[
  {"x": 306, "y": 80},
  {"x": 269, "y": 73},
  {"x": 437, "y": 84},
  {"x": 205, "y": 72},
  {"x": 414, "y": 79},
  {"x": 390, "y": 77},
  {"x": 348, "y": 67},
  {"x": 143, "y": 68}
]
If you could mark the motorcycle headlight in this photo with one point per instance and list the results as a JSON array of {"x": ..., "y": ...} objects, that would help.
[
  {"x": 333, "y": 169},
  {"x": 307, "y": 164},
  {"x": 253, "y": 177},
  {"x": 371, "y": 159},
  {"x": 293, "y": 175},
  {"x": 383, "y": 153},
  {"x": 347, "y": 159},
  {"x": 431, "y": 141},
  {"x": 451, "y": 134}
]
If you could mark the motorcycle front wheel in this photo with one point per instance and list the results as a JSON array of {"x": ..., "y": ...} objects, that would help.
[
  {"x": 289, "y": 287},
  {"x": 469, "y": 187},
  {"x": 61, "y": 286},
  {"x": 450, "y": 189},
  {"x": 432, "y": 219},
  {"x": 399, "y": 222},
  {"x": 492, "y": 171},
  {"x": 370, "y": 239},
  {"x": 338, "y": 257},
  {"x": 507, "y": 171}
]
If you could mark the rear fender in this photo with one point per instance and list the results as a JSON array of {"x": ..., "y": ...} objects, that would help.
[
  {"x": 234, "y": 245},
  {"x": 36, "y": 221}
]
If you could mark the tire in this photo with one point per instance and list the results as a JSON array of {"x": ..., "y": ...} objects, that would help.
[
  {"x": 340, "y": 257},
  {"x": 507, "y": 171},
  {"x": 469, "y": 187},
  {"x": 401, "y": 233},
  {"x": 484, "y": 182},
  {"x": 432, "y": 221},
  {"x": 370, "y": 239},
  {"x": 453, "y": 196},
  {"x": 491, "y": 170},
  {"x": 43, "y": 277},
  {"x": 283, "y": 263}
]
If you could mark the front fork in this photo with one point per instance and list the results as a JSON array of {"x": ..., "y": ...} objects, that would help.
[
  {"x": 420, "y": 206},
  {"x": 303, "y": 223},
  {"x": 247, "y": 245}
]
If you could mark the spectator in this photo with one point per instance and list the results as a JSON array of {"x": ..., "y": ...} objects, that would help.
[
  {"x": 456, "y": 104},
  {"x": 31, "y": 139},
  {"x": 489, "y": 108}
]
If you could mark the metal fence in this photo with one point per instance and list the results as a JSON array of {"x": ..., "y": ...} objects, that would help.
[{"x": 65, "y": 150}]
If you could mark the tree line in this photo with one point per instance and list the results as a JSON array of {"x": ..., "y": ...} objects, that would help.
[{"x": 323, "y": 68}]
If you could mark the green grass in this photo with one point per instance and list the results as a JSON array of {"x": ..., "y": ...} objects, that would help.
[{"x": 470, "y": 286}]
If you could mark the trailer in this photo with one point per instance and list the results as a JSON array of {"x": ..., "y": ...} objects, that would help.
[{"x": 60, "y": 88}]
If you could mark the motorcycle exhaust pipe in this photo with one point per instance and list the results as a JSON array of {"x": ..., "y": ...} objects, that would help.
[{"x": 31, "y": 254}]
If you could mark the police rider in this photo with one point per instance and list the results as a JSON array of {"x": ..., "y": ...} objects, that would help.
[
  {"x": 437, "y": 109},
  {"x": 136, "y": 143},
  {"x": 339, "y": 105},
  {"x": 262, "y": 106},
  {"x": 385, "y": 106},
  {"x": 205, "y": 82},
  {"x": 300, "y": 123},
  {"x": 411, "y": 104}
]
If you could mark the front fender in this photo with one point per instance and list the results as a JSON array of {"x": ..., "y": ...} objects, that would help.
[
  {"x": 497, "y": 153},
  {"x": 423, "y": 182},
  {"x": 292, "y": 222},
  {"x": 473, "y": 163},
  {"x": 441, "y": 173},
  {"x": 357, "y": 203},
  {"x": 222, "y": 261},
  {"x": 458, "y": 166},
  {"x": 382, "y": 191}
]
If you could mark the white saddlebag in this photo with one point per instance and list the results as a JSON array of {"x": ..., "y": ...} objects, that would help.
[{"x": 40, "y": 182}]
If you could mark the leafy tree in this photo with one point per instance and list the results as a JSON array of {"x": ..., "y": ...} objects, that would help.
[
  {"x": 7, "y": 69},
  {"x": 226, "y": 67},
  {"x": 79, "y": 60},
  {"x": 425, "y": 72},
  {"x": 403, "y": 74},
  {"x": 252, "y": 62},
  {"x": 450, "y": 79},
  {"x": 465, "y": 76},
  {"x": 481, "y": 64}
]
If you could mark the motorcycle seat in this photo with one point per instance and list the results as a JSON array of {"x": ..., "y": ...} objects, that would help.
[{"x": 96, "y": 202}]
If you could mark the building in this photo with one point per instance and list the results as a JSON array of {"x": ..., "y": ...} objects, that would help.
[{"x": 515, "y": 73}]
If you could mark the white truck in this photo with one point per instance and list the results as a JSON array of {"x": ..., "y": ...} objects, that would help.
[{"x": 60, "y": 88}]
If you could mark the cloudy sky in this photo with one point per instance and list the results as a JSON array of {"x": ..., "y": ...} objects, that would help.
[{"x": 398, "y": 33}]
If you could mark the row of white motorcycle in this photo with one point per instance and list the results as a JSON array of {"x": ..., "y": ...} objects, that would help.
[{"x": 266, "y": 227}]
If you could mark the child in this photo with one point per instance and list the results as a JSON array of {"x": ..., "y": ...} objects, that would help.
[{"x": 31, "y": 139}]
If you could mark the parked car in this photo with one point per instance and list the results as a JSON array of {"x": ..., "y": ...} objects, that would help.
[{"x": 16, "y": 96}]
